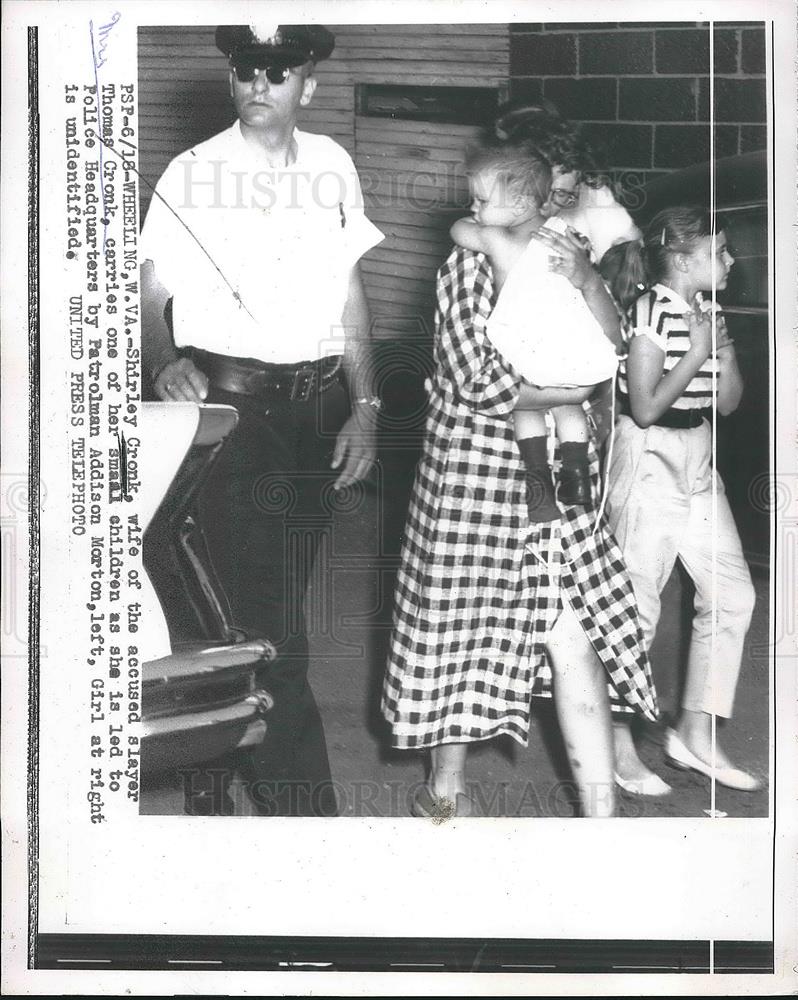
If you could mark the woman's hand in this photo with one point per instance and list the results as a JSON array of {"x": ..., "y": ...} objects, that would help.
[{"x": 569, "y": 256}]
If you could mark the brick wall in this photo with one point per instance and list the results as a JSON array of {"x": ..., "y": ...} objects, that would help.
[{"x": 642, "y": 88}]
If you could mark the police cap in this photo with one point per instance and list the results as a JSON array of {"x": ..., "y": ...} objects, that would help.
[{"x": 285, "y": 44}]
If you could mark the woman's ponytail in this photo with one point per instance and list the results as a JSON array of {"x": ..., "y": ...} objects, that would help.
[
  {"x": 630, "y": 268},
  {"x": 624, "y": 269}
]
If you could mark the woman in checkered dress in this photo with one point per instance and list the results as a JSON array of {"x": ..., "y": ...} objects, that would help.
[{"x": 483, "y": 595}]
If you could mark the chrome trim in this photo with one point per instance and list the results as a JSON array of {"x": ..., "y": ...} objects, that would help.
[
  {"x": 196, "y": 662},
  {"x": 243, "y": 711}
]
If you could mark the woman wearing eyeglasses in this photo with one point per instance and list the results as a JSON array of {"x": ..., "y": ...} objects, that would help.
[
  {"x": 579, "y": 197},
  {"x": 494, "y": 605},
  {"x": 579, "y": 193}
]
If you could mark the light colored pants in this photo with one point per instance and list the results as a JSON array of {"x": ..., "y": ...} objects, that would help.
[{"x": 659, "y": 505}]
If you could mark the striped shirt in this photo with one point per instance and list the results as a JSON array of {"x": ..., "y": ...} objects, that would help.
[{"x": 659, "y": 315}]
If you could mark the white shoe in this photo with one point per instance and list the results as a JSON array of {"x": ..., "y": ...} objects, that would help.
[
  {"x": 732, "y": 777},
  {"x": 652, "y": 785}
]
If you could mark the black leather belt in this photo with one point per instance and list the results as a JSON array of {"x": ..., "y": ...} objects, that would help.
[
  {"x": 676, "y": 419},
  {"x": 250, "y": 377}
]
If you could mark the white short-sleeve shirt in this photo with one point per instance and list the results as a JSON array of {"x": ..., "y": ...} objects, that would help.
[
  {"x": 659, "y": 315},
  {"x": 258, "y": 259}
]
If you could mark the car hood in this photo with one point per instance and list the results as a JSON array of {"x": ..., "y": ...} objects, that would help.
[{"x": 739, "y": 180}]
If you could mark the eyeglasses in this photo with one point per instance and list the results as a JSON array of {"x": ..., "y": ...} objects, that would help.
[
  {"x": 563, "y": 198},
  {"x": 247, "y": 71}
]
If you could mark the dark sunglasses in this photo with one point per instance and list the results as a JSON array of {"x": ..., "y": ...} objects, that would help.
[{"x": 247, "y": 71}]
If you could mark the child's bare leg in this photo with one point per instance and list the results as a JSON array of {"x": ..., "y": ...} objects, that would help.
[
  {"x": 530, "y": 433},
  {"x": 571, "y": 424},
  {"x": 529, "y": 424},
  {"x": 582, "y": 703},
  {"x": 573, "y": 434}
]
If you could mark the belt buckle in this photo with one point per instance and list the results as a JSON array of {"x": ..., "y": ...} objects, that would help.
[
  {"x": 327, "y": 378},
  {"x": 304, "y": 380}
]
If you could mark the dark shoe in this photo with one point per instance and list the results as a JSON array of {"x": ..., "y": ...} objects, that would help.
[
  {"x": 574, "y": 486},
  {"x": 540, "y": 501}
]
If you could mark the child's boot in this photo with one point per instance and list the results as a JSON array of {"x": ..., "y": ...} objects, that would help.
[
  {"x": 541, "y": 503},
  {"x": 575, "y": 487}
]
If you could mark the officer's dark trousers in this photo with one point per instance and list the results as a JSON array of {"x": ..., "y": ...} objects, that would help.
[{"x": 264, "y": 511}]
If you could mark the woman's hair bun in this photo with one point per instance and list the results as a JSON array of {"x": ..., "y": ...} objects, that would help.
[{"x": 513, "y": 118}]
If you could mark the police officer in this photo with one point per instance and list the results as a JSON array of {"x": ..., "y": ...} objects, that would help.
[{"x": 252, "y": 297}]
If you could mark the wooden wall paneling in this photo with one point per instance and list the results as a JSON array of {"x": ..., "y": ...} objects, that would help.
[
  {"x": 412, "y": 171},
  {"x": 416, "y": 187},
  {"x": 183, "y": 96}
]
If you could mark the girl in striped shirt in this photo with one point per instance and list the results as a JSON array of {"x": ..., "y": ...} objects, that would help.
[{"x": 660, "y": 483}]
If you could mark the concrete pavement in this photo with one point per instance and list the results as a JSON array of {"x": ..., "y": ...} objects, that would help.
[{"x": 348, "y": 611}]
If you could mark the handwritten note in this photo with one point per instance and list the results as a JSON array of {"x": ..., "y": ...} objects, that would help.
[{"x": 99, "y": 44}]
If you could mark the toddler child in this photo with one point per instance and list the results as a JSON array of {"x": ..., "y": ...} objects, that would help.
[{"x": 541, "y": 325}]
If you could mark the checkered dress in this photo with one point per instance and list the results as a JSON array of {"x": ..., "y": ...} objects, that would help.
[{"x": 479, "y": 587}]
